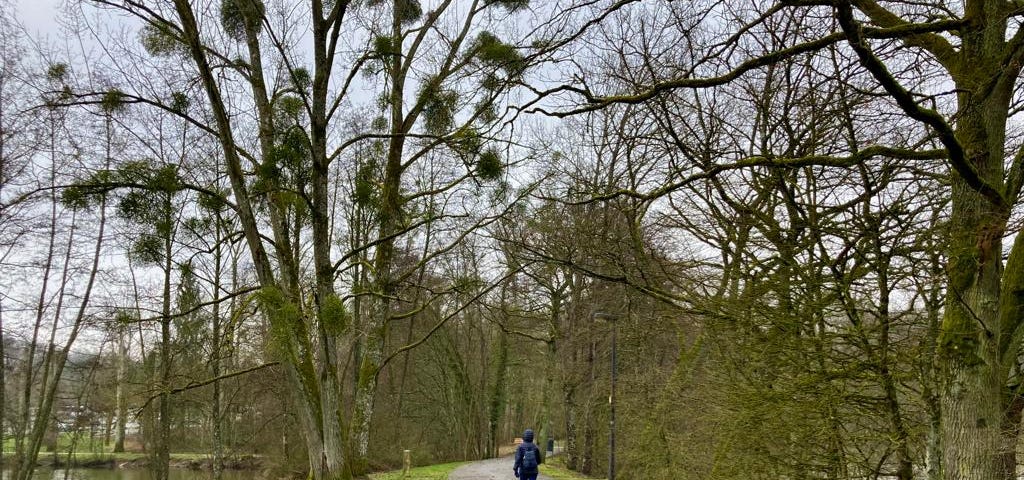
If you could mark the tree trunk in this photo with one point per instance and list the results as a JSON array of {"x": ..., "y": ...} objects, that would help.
[
  {"x": 120, "y": 401},
  {"x": 29, "y": 370},
  {"x": 973, "y": 372},
  {"x": 216, "y": 354},
  {"x": 499, "y": 394},
  {"x": 163, "y": 454},
  {"x": 3, "y": 390},
  {"x": 587, "y": 452}
]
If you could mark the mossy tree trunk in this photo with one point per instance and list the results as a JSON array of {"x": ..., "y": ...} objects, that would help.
[{"x": 979, "y": 336}]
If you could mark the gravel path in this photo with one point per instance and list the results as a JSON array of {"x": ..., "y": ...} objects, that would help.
[{"x": 493, "y": 469}]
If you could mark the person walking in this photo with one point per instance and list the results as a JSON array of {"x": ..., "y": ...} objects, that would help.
[{"x": 527, "y": 458}]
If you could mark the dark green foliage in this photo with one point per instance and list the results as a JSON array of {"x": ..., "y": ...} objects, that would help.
[
  {"x": 301, "y": 79},
  {"x": 466, "y": 141},
  {"x": 290, "y": 106},
  {"x": 148, "y": 249},
  {"x": 90, "y": 192},
  {"x": 468, "y": 284},
  {"x": 238, "y": 16},
  {"x": 57, "y": 72},
  {"x": 292, "y": 153},
  {"x": 384, "y": 46},
  {"x": 365, "y": 191},
  {"x": 160, "y": 41},
  {"x": 267, "y": 174},
  {"x": 489, "y": 165},
  {"x": 492, "y": 82},
  {"x": 76, "y": 197},
  {"x": 379, "y": 124},
  {"x": 491, "y": 51},
  {"x": 165, "y": 179},
  {"x": 333, "y": 315},
  {"x": 190, "y": 323},
  {"x": 179, "y": 102},
  {"x": 284, "y": 317},
  {"x": 408, "y": 11},
  {"x": 56, "y": 75},
  {"x": 141, "y": 178},
  {"x": 486, "y": 112},
  {"x": 146, "y": 202},
  {"x": 124, "y": 318},
  {"x": 286, "y": 169},
  {"x": 439, "y": 105},
  {"x": 510, "y": 5},
  {"x": 214, "y": 203},
  {"x": 113, "y": 101}
]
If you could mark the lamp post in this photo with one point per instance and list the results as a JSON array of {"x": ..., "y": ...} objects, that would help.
[{"x": 611, "y": 398}]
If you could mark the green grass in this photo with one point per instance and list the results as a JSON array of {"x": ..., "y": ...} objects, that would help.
[
  {"x": 555, "y": 468},
  {"x": 432, "y": 472}
]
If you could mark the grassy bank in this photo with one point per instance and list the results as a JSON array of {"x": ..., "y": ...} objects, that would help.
[
  {"x": 432, "y": 472},
  {"x": 555, "y": 468}
]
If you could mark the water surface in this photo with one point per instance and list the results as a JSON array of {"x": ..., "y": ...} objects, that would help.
[{"x": 134, "y": 474}]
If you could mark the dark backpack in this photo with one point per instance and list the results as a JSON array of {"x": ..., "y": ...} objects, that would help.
[{"x": 530, "y": 457}]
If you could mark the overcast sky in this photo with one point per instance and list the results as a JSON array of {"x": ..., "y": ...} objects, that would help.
[{"x": 39, "y": 16}]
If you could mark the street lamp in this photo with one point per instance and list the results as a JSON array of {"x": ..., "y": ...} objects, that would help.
[{"x": 611, "y": 398}]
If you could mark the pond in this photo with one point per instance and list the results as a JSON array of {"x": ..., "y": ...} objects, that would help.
[{"x": 134, "y": 474}]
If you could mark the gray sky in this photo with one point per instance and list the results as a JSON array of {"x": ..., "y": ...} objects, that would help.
[{"x": 39, "y": 16}]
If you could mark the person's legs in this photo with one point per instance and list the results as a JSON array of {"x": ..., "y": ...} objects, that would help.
[{"x": 528, "y": 476}]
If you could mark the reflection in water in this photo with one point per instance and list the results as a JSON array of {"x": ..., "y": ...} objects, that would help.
[{"x": 132, "y": 474}]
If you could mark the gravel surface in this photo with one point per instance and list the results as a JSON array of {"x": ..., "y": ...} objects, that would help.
[{"x": 493, "y": 469}]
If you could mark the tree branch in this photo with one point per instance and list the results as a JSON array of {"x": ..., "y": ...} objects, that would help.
[{"x": 957, "y": 156}]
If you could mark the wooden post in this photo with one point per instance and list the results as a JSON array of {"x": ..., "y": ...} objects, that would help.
[{"x": 406, "y": 461}]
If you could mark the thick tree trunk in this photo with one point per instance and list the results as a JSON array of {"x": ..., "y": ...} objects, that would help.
[{"x": 974, "y": 373}]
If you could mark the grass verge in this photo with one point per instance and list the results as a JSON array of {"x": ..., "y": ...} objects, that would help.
[
  {"x": 432, "y": 472},
  {"x": 555, "y": 468}
]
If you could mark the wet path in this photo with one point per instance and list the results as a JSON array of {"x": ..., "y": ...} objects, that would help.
[{"x": 493, "y": 469}]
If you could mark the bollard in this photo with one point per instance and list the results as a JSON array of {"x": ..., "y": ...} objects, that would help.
[{"x": 406, "y": 461}]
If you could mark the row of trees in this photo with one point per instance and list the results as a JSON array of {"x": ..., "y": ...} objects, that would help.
[{"x": 406, "y": 213}]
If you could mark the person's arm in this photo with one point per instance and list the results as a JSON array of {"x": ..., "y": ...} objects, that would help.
[{"x": 519, "y": 459}]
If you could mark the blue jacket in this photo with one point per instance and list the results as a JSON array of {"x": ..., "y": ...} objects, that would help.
[{"x": 527, "y": 443}]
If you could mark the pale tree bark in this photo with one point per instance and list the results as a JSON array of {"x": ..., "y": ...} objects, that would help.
[
  {"x": 29, "y": 368},
  {"x": 58, "y": 356},
  {"x": 120, "y": 396},
  {"x": 123, "y": 337}
]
